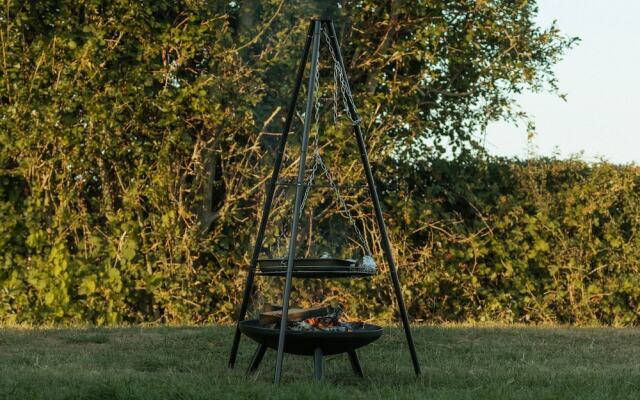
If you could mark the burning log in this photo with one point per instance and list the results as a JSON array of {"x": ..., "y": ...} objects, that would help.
[
  {"x": 317, "y": 319},
  {"x": 294, "y": 315},
  {"x": 271, "y": 307}
]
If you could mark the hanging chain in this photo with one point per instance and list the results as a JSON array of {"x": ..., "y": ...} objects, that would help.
[
  {"x": 347, "y": 97},
  {"x": 345, "y": 211},
  {"x": 283, "y": 233},
  {"x": 317, "y": 158},
  {"x": 335, "y": 90}
]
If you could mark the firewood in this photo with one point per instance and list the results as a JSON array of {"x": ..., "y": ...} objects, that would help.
[
  {"x": 271, "y": 307},
  {"x": 294, "y": 314}
]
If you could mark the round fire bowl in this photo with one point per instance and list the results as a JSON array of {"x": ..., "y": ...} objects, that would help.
[{"x": 305, "y": 343}]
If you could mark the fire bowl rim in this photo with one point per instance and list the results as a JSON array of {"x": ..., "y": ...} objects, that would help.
[{"x": 305, "y": 342}]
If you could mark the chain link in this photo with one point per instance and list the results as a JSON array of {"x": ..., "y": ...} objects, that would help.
[
  {"x": 347, "y": 97},
  {"x": 345, "y": 211},
  {"x": 335, "y": 92}
]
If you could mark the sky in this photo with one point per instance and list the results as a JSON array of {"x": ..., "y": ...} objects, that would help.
[{"x": 601, "y": 77}]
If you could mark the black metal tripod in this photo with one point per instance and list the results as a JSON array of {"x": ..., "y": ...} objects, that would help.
[{"x": 313, "y": 44}]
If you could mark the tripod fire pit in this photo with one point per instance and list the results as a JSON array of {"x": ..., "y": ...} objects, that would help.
[
  {"x": 313, "y": 332},
  {"x": 310, "y": 332}
]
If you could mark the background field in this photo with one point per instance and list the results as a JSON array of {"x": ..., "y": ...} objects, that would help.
[{"x": 459, "y": 362}]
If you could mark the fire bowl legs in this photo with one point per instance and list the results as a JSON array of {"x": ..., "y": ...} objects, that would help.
[
  {"x": 257, "y": 359},
  {"x": 318, "y": 362},
  {"x": 355, "y": 363}
]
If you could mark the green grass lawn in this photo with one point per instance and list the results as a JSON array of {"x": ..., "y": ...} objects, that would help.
[{"x": 190, "y": 363}]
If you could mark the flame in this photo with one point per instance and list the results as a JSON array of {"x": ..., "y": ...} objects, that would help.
[
  {"x": 320, "y": 322},
  {"x": 323, "y": 323},
  {"x": 334, "y": 320}
]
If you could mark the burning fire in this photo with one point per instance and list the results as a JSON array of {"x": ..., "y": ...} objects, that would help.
[
  {"x": 315, "y": 319},
  {"x": 328, "y": 323},
  {"x": 323, "y": 322}
]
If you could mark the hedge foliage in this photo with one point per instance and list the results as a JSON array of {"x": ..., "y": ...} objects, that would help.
[
  {"x": 502, "y": 240},
  {"x": 544, "y": 240},
  {"x": 135, "y": 138}
]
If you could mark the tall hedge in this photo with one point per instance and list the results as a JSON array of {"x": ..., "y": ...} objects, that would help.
[
  {"x": 545, "y": 240},
  {"x": 112, "y": 113},
  {"x": 135, "y": 138}
]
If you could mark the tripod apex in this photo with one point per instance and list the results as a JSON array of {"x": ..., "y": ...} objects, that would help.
[{"x": 320, "y": 9}]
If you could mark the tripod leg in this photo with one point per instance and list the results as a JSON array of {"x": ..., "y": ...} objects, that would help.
[
  {"x": 257, "y": 359},
  {"x": 248, "y": 287},
  {"x": 355, "y": 363},
  {"x": 376, "y": 203},
  {"x": 299, "y": 195}
]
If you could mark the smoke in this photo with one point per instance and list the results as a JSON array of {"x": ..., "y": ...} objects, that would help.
[{"x": 320, "y": 9}]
